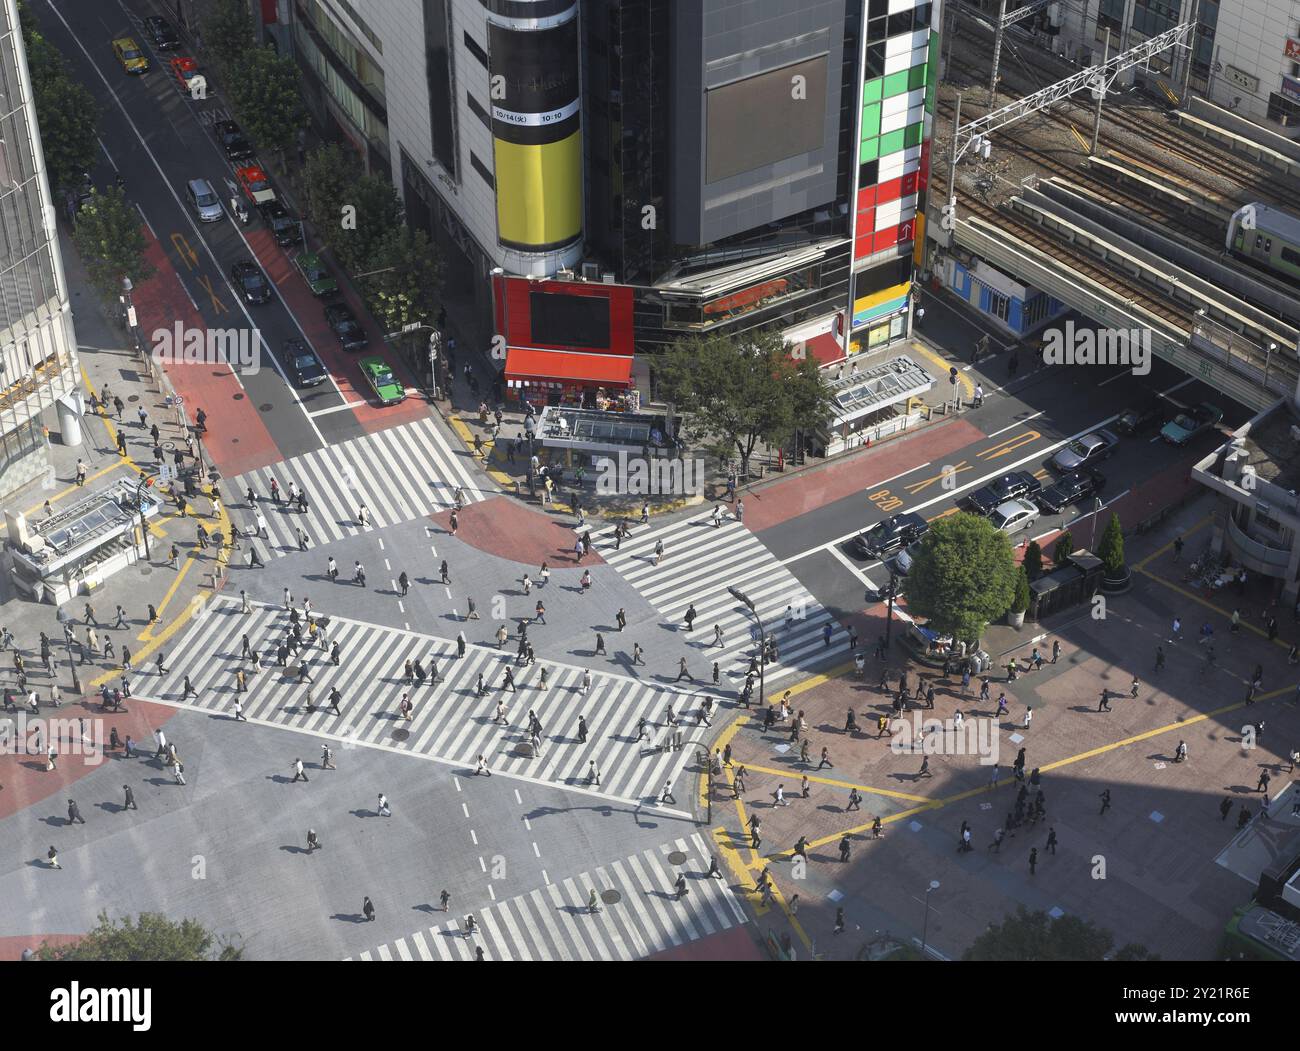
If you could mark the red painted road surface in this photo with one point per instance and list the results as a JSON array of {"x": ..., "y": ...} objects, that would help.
[
  {"x": 237, "y": 440},
  {"x": 277, "y": 263},
  {"x": 737, "y": 943},
  {"x": 11, "y": 948},
  {"x": 509, "y": 529},
  {"x": 810, "y": 490}
]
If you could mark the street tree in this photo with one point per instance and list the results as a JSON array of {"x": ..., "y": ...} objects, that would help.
[
  {"x": 1064, "y": 548},
  {"x": 227, "y": 32},
  {"x": 378, "y": 212},
  {"x": 150, "y": 936},
  {"x": 330, "y": 176},
  {"x": 111, "y": 241},
  {"x": 65, "y": 110},
  {"x": 266, "y": 93},
  {"x": 737, "y": 391},
  {"x": 1036, "y": 936},
  {"x": 963, "y": 577},
  {"x": 1033, "y": 560},
  {"x": 1111, "y": 549},
  {"x": 407, "y": 284},
  {"x": 1020, "y": 597}
]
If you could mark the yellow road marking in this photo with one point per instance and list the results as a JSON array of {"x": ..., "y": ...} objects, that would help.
[
  {"x": 217, "y": 304},
  {"x": 945, "y": 514},
  {"x": 916, "y": 487},
  {"x": 842, "y": 784},
  {"x": 1156, "y": 554},
  {"x": 187, "y": 254},
  {"x": 966, "y": 383},
  {"x": 1009, "y": 446}
]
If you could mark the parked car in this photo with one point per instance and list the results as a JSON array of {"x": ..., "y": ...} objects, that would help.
[
  {"x": 986, "y": 499},
  {"x": 1015, "y": 515},
  {"x": 203, "y": 200},
  {"x": 889, "y": 535},
  {"x": 1083, "y": 452},
  {"x": 284, "y": 226},
  {"x": 129, "y": 56},
  {"x": 345, "y": 326},
  {"x": 379, "y": 376},
  {"x": 162, "y": 33},
  {"x": 303, "y": 363},
  {"x": 251, "y": 282},
  {"x": 255, "y": 183},
  {"x": 1191, "y": 422},
  {"x": 1070, "y": 489},
  {"x": 233, "y": 143},
  {"x": 183, "y": 71},
  {"x": 904, "y": 559},
  {"x": 318, "y": 278},
  {"x": 1141, "y": 417}
]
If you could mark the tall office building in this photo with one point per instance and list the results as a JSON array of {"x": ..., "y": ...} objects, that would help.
[
  {"x": 615, "y": 174},
  {"x": 38, "y": 358}
]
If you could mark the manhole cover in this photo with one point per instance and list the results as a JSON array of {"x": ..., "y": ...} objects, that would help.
[
  {"x": 238, "y": 397},
  {"x": 265, "y": 407},
  {"x": 169, "y": 446},
  {"x": 611, "y": 896},
  {"x": 401, "y": 735},
  {"x": 145, "y": 570},
  {"x": 524, "y": 749},
  {"x": 133, "y": 397},
  {"x": 677, "y": 858}
]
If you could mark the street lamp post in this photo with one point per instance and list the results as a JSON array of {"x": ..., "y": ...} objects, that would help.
[
  {"x": 140, "y": 487},
  {"x": 925, "y": 926},
  {"x": 891, "y": 589},
  {"x": 65, "y": 618},
  {"x": 1096, "y": 513},
  {"x": 708, "y": 773},
  {"x": 745, "y": 600}
]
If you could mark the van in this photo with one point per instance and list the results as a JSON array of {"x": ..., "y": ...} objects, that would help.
[{"x": 206, "y": 204}]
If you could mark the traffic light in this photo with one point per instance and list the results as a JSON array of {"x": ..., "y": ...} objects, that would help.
[{"x": 952, "y": 375}]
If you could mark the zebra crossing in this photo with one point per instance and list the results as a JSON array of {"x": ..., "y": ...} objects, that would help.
[
  {"x": 699, "y": 563},
  {"x": 450, "y": 720},
  {"x": 554, "y": 923},
  {"x": 398, "y": 474}
]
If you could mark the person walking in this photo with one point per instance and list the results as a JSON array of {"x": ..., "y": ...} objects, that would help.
[
  {"x": 1051, "y": 840},
  {"x": 1029, "y": 717},
  {"x": 659, "y": 552},
  {"x": 1033, "y": 860},
  {"x": 846, "y": 848},
  {"x": 593, "y": 773},
  {"x": 666, "y": 796},
  {"x": 481, "y": 767},
  {"x": 178, "y": 771},
  {"x": 299, "y": 774},
  {"x": 74, "y": 813},
  {"x": 52, "y": 858},
  {"x": 1262, "y": 785},
  {"x": 1105, "y": 802},
  {"x": 129, "y": 803},
  {"x": 368, "y": 909},
  {"x": 682, "y": 671},
  {"x": 382, "y": 807},
  {"x": 1104, "y": 704},
  {"x": 826, "y": 759},
  {"x": 313, "y": 843},
  {"x": 582, "y": 730}
]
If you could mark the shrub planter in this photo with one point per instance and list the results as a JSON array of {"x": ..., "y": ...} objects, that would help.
[
  {"x": 1015, "y": 619},
  {"x": 1118, "y": 584}
]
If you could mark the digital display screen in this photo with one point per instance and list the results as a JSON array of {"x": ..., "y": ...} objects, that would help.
[{"x": 569, "y": 321}]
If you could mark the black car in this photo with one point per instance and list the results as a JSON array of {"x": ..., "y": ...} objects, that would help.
[
  {"x": 345, "y": 325},
  {"x": 1142, "y": 417},
  {"x": 251, "y": 282},
  {"x": 283, "y": 225},
  {"x": 1070, "y": 489},
  {"x": 232, "y": 140},
  {"x": 162, "y": 33},
  {"x": 985, "y": 500},
  {"x": 893, "y": 533},
  {"x": 303, "y": 364}
]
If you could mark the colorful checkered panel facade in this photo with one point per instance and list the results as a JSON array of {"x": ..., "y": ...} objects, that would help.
[{"x": 897, "y": 118}]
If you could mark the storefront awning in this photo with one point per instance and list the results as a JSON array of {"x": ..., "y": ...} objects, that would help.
[{"x": 566, "y": 367}]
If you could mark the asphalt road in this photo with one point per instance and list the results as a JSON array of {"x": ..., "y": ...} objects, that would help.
[
  {"x": 1022, "y": 428},
  {"x": 159, "y": 139}
]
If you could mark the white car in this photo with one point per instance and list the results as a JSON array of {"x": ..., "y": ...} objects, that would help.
[{"x": 1015, "y": 515}]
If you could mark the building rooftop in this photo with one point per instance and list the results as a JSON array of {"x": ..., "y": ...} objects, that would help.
[{"x": 1273, "y": 451}]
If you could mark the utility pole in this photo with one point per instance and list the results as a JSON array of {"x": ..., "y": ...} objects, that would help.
[
  {"x": 1101, "y": 95},
  {"x": 997, "y": 53},
  {"x": 1191, "y": 56}
]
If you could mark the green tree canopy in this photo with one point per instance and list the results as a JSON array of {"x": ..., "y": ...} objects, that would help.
[
  {"x": 1020, "y": 598},
  {"x": 1033, "y": 560},
  {"x": 409, "y": 287},
  {"x": 963, "y": 577},
  {"x": 111, "y": 241},
  {"x": 378, "y": 214},
  {"x": 1036, "y": 936},
  {"x": 228, "y": 31},
  {"x": 1064, "y": 548},
  {"x": 736, "y": 391},
  {"x": 1111, "y": 550},
  {"x": 150, "y": 937},
  {"x": 330, "y": 174},
  {"x": 65, "y": 110},
  {"x": 264, "y": 89}
]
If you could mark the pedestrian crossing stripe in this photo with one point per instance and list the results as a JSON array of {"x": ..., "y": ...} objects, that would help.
[
  {"x": 449, "y": 722},
  {"x": 699, "y": 563},
  {"x": 380, "y": 471},
  {"x": 552, "y": 923}
]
